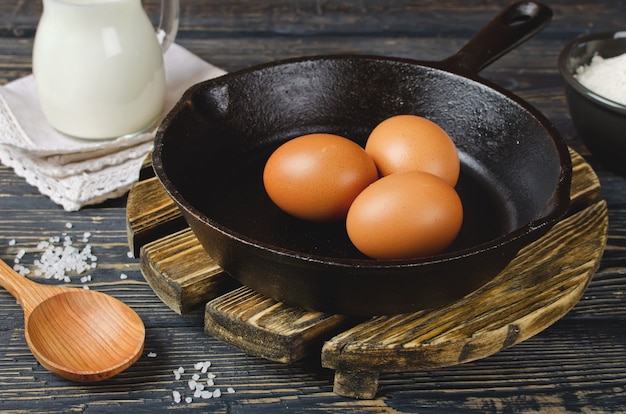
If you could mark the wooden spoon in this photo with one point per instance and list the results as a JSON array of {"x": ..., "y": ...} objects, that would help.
[{"x": 78, "y": 334}]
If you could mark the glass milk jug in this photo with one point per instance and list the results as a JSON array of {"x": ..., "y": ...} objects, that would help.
[{"x": 98, "y": 66}]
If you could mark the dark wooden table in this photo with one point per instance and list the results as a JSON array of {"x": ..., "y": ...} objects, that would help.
[{"x": 576, "y": 365}]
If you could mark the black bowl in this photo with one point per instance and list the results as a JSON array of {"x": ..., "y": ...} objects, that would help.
[{"x": 601, "y": 122}]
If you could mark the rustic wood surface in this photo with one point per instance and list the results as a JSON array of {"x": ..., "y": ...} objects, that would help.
[{"x": 576, "y": 365}]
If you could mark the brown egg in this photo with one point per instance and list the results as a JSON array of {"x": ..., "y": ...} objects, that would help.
[
  {"x": 316, "y": 177},
  {"x": 405, "y": 216},
  {"x": 413, "y": 143}
]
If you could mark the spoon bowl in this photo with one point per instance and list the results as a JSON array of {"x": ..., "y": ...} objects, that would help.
[{"x": 81, "y": 335}]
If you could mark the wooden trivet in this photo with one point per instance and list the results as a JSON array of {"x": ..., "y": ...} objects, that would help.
[{"x": 544, "y": 281}]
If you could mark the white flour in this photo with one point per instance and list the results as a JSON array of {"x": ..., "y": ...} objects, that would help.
[{"x": 605, "y": 77}]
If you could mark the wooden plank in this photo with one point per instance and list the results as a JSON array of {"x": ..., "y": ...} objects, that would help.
[
  {"x": 373, "y": 17},
  {"x": 181, "y": 273},
  {"x": 586, "y": 186},
  {"x": 150, "y": 214},
  {"x": 272, "y": 330}
]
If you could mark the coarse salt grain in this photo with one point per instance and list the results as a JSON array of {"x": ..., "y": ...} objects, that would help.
[
  {"x": 123, "y": 276},
  {"x": 176, "y": 396},
  {"x": 152, "y": 354},
  {"x": 12, "y": 242},
  {"x": 21, "y": 270},
  {"x": 605, "y": 76}
]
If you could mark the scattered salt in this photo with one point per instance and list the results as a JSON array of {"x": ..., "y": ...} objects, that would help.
[
  {"x": 152, "y": 355},
  {"x": 12, "y": 242},
  {"x": 605, "y": 76},
  {"x": 86, "y": 236},
  {"x": 130, "y": 255},
  {"x": 55, "y": 261},
  {"x": 123, "y": 276},
  {"x": 68, "y": 225},
  {"x": 194, "y": 385}
]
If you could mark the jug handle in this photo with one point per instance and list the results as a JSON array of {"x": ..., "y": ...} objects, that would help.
[{"x": 168, "y": 23}]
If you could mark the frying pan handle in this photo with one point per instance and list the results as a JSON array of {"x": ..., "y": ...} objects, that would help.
[{"x": 511, "y": 27}]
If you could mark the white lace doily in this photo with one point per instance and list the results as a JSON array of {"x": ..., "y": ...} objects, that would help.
[{"x": 72, "y": 172}]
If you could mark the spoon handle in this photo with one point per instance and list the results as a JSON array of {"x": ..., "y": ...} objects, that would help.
[{"x": 28, "y": 293}]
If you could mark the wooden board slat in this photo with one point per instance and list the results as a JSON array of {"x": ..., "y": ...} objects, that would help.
[
  {"x": 181, "y": 273},
  {"x": 272, "y": 330},
  {"x": 150, "y": 214},
  {"x": 585, "y": 189}
]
